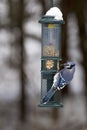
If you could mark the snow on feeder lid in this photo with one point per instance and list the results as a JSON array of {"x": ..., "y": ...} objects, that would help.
[
  {"x": 53, "y": 15},
  {"x": 54, "y": 11}
]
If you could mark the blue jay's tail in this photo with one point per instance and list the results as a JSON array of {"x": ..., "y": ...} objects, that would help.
[{"x": 48, "y": 95}]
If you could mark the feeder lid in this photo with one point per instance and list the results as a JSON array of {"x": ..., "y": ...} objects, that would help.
[{"x": 50, "y": 19}]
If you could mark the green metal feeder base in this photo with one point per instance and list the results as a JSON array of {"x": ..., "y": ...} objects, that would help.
[{"x": 51, "y": 104}]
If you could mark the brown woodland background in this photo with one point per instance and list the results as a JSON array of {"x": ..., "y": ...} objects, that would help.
[{"x": 20, "y": 50}]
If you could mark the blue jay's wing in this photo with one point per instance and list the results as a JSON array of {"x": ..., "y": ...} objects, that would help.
[
  {"x": 61, "y": 82},
  {"x": 48, "y": 95},
  {"x": 56, "y": 80}
]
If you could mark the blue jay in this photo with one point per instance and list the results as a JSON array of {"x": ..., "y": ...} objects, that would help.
[{"x": 61, "y": 79}]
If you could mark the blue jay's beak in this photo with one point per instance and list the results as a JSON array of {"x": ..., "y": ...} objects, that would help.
[
  {"x": 63, "y": 65},
  {"x": 68, "y": 64}
]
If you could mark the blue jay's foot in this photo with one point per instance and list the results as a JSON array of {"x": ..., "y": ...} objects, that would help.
[
  {"x": 54, "y": 87},
  {"x": 58, "y": 88}
]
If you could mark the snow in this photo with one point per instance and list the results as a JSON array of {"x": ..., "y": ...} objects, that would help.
[
  {"x": 54, "y": 11},
  {"x": 33, "y": 66},
  {"x": 33, "y": 28},
  {"x": 9, "y": 88},
  {"x": 31, "y": 8}
]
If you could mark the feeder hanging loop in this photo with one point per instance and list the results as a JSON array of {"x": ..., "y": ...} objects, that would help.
[{"x": 51, "y": 3}]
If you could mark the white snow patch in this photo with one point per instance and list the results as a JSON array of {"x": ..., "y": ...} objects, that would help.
[
  {"x": 32, "y": 27},
  {"x": 33, "y": 66},
  {"x": 33, "y": 7},
  {"x": 54, "y": 11},
  {"x": 9, "y": 84},
  {"x": 4, "y": 36}
]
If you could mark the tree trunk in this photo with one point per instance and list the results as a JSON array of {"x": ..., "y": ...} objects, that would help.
[
  {"x": 17, "y": 19},
  {"x": 22, "y": 64},
  {"x": 83, "y": 46}
]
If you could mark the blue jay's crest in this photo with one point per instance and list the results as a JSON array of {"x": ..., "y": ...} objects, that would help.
[{"x": 61, "y": 79}]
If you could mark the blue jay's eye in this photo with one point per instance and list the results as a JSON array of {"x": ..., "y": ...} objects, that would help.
[
  {"x": 73, "y": 65},
  {"x": 68, "y": 66}
]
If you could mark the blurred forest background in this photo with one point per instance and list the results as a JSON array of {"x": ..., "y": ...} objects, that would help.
[{"x": 20, "y": 50}]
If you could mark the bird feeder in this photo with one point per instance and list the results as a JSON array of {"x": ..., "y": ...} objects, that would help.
[{"x": 50, "y": 57}]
